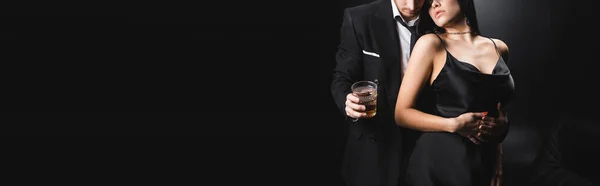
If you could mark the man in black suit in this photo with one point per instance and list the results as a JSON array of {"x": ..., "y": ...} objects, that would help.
[{"x": 376, "y": 39}]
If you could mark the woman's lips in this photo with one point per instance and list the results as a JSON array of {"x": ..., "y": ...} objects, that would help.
[{"x": 439, "y": 13}]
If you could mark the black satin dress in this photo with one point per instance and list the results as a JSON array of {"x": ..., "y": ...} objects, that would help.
[{"x": 447, "y": 159}]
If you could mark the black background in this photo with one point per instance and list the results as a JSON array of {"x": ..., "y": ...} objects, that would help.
[{"x": 238, "y": 92}]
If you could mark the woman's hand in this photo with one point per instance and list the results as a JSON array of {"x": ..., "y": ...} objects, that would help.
[
  {"x": 492, "y": 129},
  {"x": 467, "y": 124}
]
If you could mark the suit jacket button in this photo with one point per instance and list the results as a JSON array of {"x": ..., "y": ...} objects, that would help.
[{"x": 372, "y": 138}]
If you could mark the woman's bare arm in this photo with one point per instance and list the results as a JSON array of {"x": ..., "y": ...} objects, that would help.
[{"x": 418, "y": 71}]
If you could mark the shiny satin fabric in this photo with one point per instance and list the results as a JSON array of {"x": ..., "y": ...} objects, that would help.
[
  {"x": 460, "y": 87},
  {"x": 446, "y": 159}
]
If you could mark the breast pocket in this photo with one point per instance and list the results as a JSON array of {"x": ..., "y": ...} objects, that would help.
[{"x": 372, "y": 67}]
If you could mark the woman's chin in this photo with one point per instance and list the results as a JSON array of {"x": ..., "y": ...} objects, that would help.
[{"x": 440, "y": 24}]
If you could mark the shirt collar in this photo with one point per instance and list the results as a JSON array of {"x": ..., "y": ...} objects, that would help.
[{"x": 397, "y": 13}]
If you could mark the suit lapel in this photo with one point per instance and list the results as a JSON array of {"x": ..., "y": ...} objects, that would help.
[{"x": 384, "y": 27}]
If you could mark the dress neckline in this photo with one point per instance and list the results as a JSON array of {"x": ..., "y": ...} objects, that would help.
[{"x": 474, "y": 67}]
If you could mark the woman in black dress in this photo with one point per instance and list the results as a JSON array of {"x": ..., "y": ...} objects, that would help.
[{"x": 470, "y": 78}]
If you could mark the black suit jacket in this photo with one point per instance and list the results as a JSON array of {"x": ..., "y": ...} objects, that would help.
[{"x": 377, "y": 149}]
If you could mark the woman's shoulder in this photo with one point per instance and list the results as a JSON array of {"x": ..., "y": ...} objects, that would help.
[
  {"x": 430, "y": 41},
  {"x": 501, "y": 45},
  {"x": 430, "y": 37},
  {"x": 425, "y": 48}
]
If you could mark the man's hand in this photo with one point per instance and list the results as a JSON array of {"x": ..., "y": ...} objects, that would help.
[
  {"x": 466, "y": 124},
  {"x": 353, "y": 108},
  {"x": 491, "y": 129}
]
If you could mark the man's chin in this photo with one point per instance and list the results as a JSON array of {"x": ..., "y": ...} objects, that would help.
[{"x": 410, "y": 14}]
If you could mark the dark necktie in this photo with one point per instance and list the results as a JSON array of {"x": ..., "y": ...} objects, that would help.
[{"x": 412, "y": 29}]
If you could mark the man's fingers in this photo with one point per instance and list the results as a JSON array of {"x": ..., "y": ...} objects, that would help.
[
  {"x": 485, "y": 130},
  {"x": 354, "y": 106},
  {"x": 354, "y": 114},
  {"x": 353, "y": 109},
  {"x": 495, "y": 123},
  {"x": 474, "y": 140},
  {"x": 479, "y": 137},
  {"x": 488, "y": 125},
  {"x": 352, "y": 98},
  {"x": 500, "y": 110}
]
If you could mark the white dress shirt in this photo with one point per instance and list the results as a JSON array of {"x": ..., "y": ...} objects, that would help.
[{"x": 403, "y": 35}]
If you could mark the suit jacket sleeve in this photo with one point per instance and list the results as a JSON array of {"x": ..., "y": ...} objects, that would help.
[
  {"x": 348, "y": 66},
  {"x": 548, "y": 168}
]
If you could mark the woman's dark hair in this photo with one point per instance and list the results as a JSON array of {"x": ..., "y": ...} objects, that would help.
[{"x": 426, "y": 24}]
